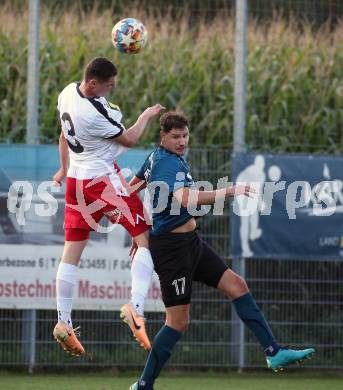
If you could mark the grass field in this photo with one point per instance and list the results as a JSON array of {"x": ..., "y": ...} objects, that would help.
[{"x": 307, "y": 381}]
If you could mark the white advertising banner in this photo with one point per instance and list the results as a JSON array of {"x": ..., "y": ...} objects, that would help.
[
  {"x": 32, "y": 238},
  {"x": 28, "y": 272}
]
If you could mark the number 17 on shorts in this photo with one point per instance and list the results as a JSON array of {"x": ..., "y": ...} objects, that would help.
[{"x": 179, "y": 285}]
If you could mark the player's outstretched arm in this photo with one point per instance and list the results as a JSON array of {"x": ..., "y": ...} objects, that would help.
[
  {"x": 191, "y": 198},
  {"x": 64, "y": 160},
  {"x": 132, "y": 135}
]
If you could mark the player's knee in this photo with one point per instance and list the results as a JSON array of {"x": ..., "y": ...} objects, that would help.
[
  {"x": 233, "y": 285},
  {"x": 241, "y": 285},
  {"x": 183, "y": 324},
  {"x": 180, "y": 324}
]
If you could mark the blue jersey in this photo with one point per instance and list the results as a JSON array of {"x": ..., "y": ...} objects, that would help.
[{"x": 166, "y": 172}]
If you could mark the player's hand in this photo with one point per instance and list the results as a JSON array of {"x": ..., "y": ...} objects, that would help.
[
  {"x": 153, "y": 111},
  {"x": 58, "y": 177},
  {"x": 242, "y": 190},
  {"x": 133, "y": 249}
]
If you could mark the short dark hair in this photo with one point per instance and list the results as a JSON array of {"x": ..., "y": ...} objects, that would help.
[
  {"x": 101, "y": 69},
  {"x": 173, "y": 120}
]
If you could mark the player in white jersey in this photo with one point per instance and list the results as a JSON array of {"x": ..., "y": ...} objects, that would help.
[{"x": 91, "y": 139}]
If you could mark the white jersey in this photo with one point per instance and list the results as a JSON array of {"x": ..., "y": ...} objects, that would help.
[{"x": 89, "y": 125}]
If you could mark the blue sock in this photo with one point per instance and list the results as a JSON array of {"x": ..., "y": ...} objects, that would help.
[
  {"x": 162, "y": 346},
  {"x": 251, "y": 315}
]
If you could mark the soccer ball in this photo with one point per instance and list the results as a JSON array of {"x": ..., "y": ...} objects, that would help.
[{"x": 129, "y": 36}]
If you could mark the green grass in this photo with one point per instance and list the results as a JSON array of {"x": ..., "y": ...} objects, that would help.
[{"x": 286, "y": 381}]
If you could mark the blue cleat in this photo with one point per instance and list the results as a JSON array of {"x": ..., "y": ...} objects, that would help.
[{"x": 287, "y": 356}]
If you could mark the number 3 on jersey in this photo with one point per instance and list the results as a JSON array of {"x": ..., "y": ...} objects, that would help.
[{"x": 68, "y": 125}]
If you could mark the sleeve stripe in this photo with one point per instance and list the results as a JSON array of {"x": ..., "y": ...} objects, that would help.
[
  {"x": 100, "y": 108},
  {"x": 116, "y": 135}
]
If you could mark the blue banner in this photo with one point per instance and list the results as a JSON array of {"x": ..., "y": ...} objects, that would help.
[{"x": 297, "y": 212}]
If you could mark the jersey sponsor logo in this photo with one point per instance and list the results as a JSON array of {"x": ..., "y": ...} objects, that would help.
[{"x": 147, "y": 174}]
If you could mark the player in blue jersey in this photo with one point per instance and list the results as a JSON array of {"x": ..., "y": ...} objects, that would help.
[{"x": 181, "y": 256}]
